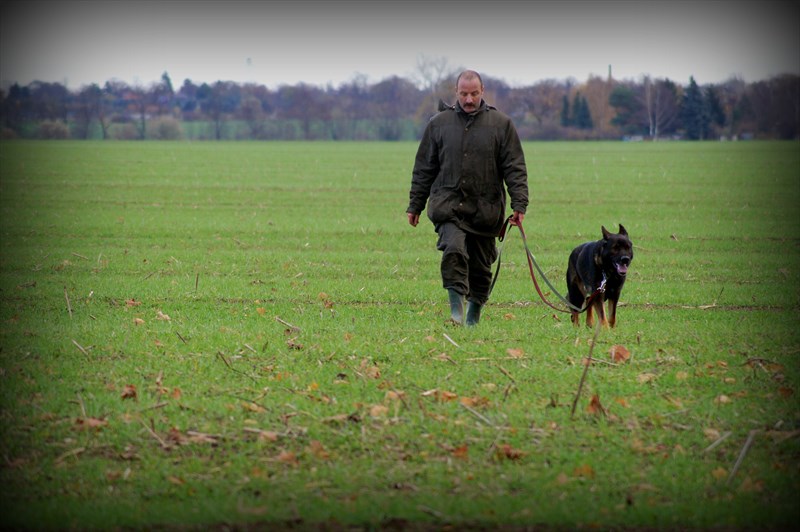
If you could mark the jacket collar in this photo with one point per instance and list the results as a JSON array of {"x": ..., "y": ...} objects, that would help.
[{"x": 482, "y": 107}]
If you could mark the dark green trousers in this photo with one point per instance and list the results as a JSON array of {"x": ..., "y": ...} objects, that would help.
[{"x": 467, "y": 261}]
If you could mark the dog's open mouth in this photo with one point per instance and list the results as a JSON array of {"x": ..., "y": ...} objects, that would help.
[{"x": 622, "y": 268}]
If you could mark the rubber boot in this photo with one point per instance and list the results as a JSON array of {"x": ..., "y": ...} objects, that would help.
[
  {"x": 473, "y": 313},
  {"x": 456, "y": 306}
]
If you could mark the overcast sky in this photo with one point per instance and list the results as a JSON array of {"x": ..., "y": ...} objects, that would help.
[{"x": 330, "y": 42}]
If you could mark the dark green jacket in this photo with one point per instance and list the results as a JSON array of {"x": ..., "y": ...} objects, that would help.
[{"x": 462, "y": 164}]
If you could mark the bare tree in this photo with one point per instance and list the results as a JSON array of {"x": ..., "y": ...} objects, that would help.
[
  {"x": 662, "y": 104},
  {"x": 252, "y": 113},
  {"x": 435, "y": 76},
  {"x": 139, "y": 102},
  {"x": 596, "y": 90}
]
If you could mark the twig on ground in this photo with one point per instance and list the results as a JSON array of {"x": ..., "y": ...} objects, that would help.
[
  {"x": 79, "y": 256},
  {"x": 153, "y": 407},
  {"x": 220, "y": 355},
  {"x": 292, "y": 327},
  {"x": 400, "y": 395},
  {"x": 586, "y": 368},
  {"x": 742, "y": 454},
  {"x": 505, "y": 372},
  {"x": 83, "y": 406},
  {"x": 69, "y": 307},
  {"x": 601, "y": 361},
  {"x": 225, "y": 360},
  {"x": 450, "y": 340},
  {"x": 164, "y": 444},
  {"x": 718, "y": 441},
  {"x": 487, "y": 359},
  {"x": 73, "y": 452},
  {"x": 431, "y": 511},
  {"x": 204, "y": 436},
  {"x": 477, "y": 415},
  {"x": 81, "y": 348},
  {"x": 181, "y": 337},
  {"x": 508, "y": 389}
]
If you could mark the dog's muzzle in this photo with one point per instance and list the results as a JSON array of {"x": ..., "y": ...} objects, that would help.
[{"x": 622, "y": 265}]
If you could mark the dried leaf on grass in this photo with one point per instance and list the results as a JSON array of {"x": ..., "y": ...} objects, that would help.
[
  {"x": 515, "y": 353},
  {"x": 440, "y": 395},
  {"x": 507, "y": 452},
  {"x": 369, "y": 370},
  {"x": 584, "y": 471},
  {"x": 461, "y": 452},
  {"x": 378, "y": 411},
  {"x": 263, "y": 435},
  {"x": 316, "y": 449},
  {"x": 176, "y": 437},
  {"x": 253, "y": 407},
  {"x": 644, "y": 378},
  {"x": 292, "y": 343},
  {"x": 288, "y": 458},
  {"x": 129, "y": 392},
  {"x": 90, "y": 423},
  {"x": 595, "y": 407},
  {"x": 475, "y": 401},
  {"x": 326, "y": 300},
  {"x": 619, "y": 354}
]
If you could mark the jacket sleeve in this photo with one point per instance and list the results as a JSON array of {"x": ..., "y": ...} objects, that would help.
[
  {"x": 426, "y": 168},
  {"x": 515, "y": 173}
]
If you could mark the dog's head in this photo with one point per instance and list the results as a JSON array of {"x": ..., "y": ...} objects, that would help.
[{"x": 617, "y": 252}]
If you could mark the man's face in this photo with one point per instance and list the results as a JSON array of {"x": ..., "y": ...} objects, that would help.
[{"x": 470, "y": 93}]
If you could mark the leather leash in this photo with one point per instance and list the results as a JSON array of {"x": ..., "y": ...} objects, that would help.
[{"x": 533, "y": 264}]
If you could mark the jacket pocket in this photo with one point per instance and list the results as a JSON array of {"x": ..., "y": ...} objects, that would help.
[
  {"x": 442, "y": 204},
  {"x": 489, "y": 213}
]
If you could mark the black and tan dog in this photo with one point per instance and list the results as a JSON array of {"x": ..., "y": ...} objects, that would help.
[{"x": 603, "y": 262}]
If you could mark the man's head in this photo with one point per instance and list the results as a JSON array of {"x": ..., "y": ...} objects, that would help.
[{"x": 469, "y": 90}]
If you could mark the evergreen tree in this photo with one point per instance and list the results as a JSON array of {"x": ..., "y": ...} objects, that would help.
[
  {"x": 629, "y": 110},
  {"x": 565, "y": 118},
  {"x": 576, "y": 110},
  {"x": 583, "y": 117},
  {"x": 694, "y": 112},
  {"x": 716, "y": 114}
]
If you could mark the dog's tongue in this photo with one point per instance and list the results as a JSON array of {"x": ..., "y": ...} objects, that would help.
[{"x": 622, "y": 269}]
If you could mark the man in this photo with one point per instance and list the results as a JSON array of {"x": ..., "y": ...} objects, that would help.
[{"x": 468, "y": 152}]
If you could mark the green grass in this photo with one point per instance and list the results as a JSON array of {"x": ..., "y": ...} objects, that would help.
[{"x": 306, "y": 375}]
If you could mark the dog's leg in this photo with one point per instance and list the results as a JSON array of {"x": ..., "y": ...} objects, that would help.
[
  {"x": 589, "y": 316},
  {"x": 576, "y": 318},
  {"x": 601, "y": 313},
  {"x": 612, "y": 313}
]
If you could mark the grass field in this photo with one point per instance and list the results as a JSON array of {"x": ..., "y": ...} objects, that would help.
[{"x": 200, "y": 335}]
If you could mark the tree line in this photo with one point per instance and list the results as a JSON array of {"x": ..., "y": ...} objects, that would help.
[{"x": 397, "y": 108}]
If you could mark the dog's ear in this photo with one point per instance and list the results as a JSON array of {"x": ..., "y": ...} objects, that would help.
[
  {"x": 606, "y": 234},
  {"x": 622, "y": 230}
]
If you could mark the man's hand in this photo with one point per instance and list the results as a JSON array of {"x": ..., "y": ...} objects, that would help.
[
  {"x": 517, "y": 218},
  {"x": 413, "y": 218}
]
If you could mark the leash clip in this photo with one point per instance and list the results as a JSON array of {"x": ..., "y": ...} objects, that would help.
[{"x": 602, "y": 288}]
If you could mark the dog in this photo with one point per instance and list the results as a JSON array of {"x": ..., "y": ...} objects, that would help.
[{"x": 603, "y": 262}]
